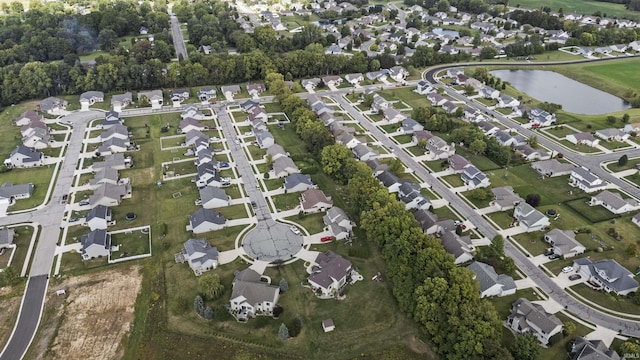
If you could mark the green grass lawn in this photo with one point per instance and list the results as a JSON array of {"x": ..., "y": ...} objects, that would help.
[
  {"x": 587, "y": 7},
  {"x": 482, "y": 162},
  {"x": 559, "y": 350},
  {"x": 131, "y": 244},
  {"x": 406, "y": 95},
  {"x": 445, "y": 213},
  {"x": 273, "y": 184},
  {"x": 390, "y": 128},
  {"x": 286, "y": 201},
  {"x": 437, "y": 165},
  {"x": 22, "y": 240},
  {"x": 454, "y": 180},
  {"x": 614, "y": 167},
  {"x": 231, "y": 212},
  {"x": 503, "y": 218},
  {"x": 533, "y": 242},
  {"x": 40, "y": 177},
  {"x": 313, "y": 222},
  {"x": 608, "y": 300},
  {"x": 403, "y": 139},
  {"x": 478, "y": 203},
  {"x": 559, "y": 131},
  {"x": 613, "y": 145},
  {"x": 592, "y": 214},
  {"x": 256, "y": 152},
  {"x": 635, "y": 178},
  {"x": 417, "y": 150}
]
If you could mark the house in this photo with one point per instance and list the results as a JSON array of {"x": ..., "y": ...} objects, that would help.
[
  {"x": 108, "y": 194},
  {"x": 363, "y": 152},
  {"x": 27, "y": 118},
  {"x": 284, "y": 166},
  {"x": 189, "y": 124},
  {"x": 314, "y": 200},
  {"x": 205, "y": 155},
  {"x": 22, "y": 157},
  {"x": 459, "y": 247},
  {"x": 15, "y": 192},
  {"x": 205, "y": 94},
  {"x": 310, "y": 84},
  {"x": 474, "y": 178},
  {"x": 53, "y": 106},
  {"x": 338, "y": 223},
  {"x": 255, "y": 90},
  {"x": 200, "y": 255},
  {"x": 505, "y": 138},
  {"x": 541, "y": 118},
  {"x": 117, "y": 131},
  {"x": 247, "y": 105},
  {"x": 95, "y": 244},
  {"x": 439, "y": 149},
  {"x": 393, "y": 116},
  {"x": 632, "y": 128},
  {"x": 98, "y": 218},
  {"x": 428, "y": 221},
  {"x": 37, "y": 138},
  {"x": 89, "y": 98},
  {"x": 258, "y": 113},
  {"x": 276, "y": 151},
  {"x": 528, "y": 153},
  {"x": 251, "y": 296},
  {"x": 421, "y": 136},
  {"x": 398, "y": 73},
  {"x": 552, "y": 168},
  {"x": 213, "y": 197},
  {"x": 113, "y": 146},
  {"x": 230, "y": 90},
  {"x": 298, "y": 183},
  {"x": 409, "y": 126},
  {"x": 389, "y": 180},
  {"x": 354, "y": 79},
  {"x": 329, "y": 274},
  {"x": 612, "y": 134},
  {"x": 410, "y": 195},
  {"x": 6, "y": 238},
  {"x": 504, "y": 198},
  {"x": 154, "y": 97},
  {"x": 529, "y": 218},
  {"x": 424, "y": 87},
  {"x": 492, "y": 284},
  {"x": 377, "y": 75},
  {"x": 346, "y": 139},
  {"x": 111, "y": 118},
  {"x": 121, "y": 101},
  {"x": 636, "y": 219},
  {"x": 192, "y": 112},
  {"x": 583, "y": 349},
  {"x": 457, "y": 163},
  {"x": 583, "y": 138},
  {"x": 194, "y": 137},
  {"x": 564, "y": 243},
  {"x": 436, "y": 99},
  {"x": 328, "y": 325},
  {"x": 333, "y": 49},
  {"x": 332, "y": 80},
  {"x": 530, "y": 318},
  {"x": 105, "y": 175},
  {"x": 488, "y": 92},
  {"x": 204, "y": 220},
  {"x": 264, "y": 139},
  {"x": 586, "y": 181},
  {"x": 610, "y": 275},
  {"x": 489, "y": 128},
  {"x": 614, "y": 202},
  {"x": 208, "y": 175},
  {"x": 505, "y": 101},
  {"x": 115, "y": 161},
  {"x": 450, "y": 107}
]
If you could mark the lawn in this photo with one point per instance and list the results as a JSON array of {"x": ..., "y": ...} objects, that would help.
[
  {"x": 483, "y": 163},
  {"x": 533, "y": 242},
  {"x": 131, "y": 244},
  {"x": 454, "y": 180},
  {"x": 313, "y": 223},
  {"x": 417, "y": 150},
  {"x": 559, "y": 350},
  {"x": 406, "y": 95},
  {"x": 610, "y": 301},
  {"x": 445, "y": 213},
  {"x": 403, "y": 139},
  {"x": 614, "y": 167},
  {"x": 587, "y": 7},
  {"x": 613, "y": 145},
  {"x": 273, "y": 184},
  {"x": 286, "y": 201},
  {"x": 592, "y": 214},
  {"x": 231, "y": 212},
  {"x": 478, "y": 203},
  {"x": 502, "y": 218},
  {"x": 224, "y": 239},
  {"x": 559, "y": 131},
  {"x": 437, "y": 165},
  {"x": 40, "y": 177},
  {"x": 22, "y": 240}
]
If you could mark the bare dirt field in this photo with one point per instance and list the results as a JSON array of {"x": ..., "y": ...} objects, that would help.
[
  {"x": 93, "y": 319},
  {"x": 9, "y": 307}
]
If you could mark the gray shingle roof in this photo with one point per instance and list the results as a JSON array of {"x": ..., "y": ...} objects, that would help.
[
  {"x": 329, "y": 267},
  {"x": 487, "y": 276},
  {"x": 205, "y": 215}
]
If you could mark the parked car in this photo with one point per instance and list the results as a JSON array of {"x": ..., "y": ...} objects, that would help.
[
  {"x": 326, "y": 239},
  {"x": 223, "y": 165},
  {"x": 554, "y": 256},
  {"x": 548, "y": 252},
  {"x": 567, "y": 269},
  {"x": 295, "y": 230},
  {"x": 575, "y": 277},
  {"x": 64, "y": 199},
  {"x": 254, "y": 205},
  {"x": 84, "y": 203},
  {"x": 73, "y": 219}
]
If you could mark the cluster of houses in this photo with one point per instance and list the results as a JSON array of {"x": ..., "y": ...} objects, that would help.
[
  {"x": 35, "y": 136},
  {"x": 115, "y": 137}
]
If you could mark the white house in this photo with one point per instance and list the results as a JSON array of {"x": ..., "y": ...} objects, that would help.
[
  {"x": 586, "y": 181},
  {"x": 474, "y": 178},
  {"x": 213, "y": 197},
  {"x": 89, "y": 98},
  {"x": 531, "y": 318},
  {"x": 200, "y": 255},
  {"x": 529, "y": 218},
  {"x": 564, "y": 243},
  {"x": 95, "y": 244},
  {"x": 492, "y": 284},
  {"x": 154, "y": 97},
  {"x": 98, "y": 218},
  {"x": 614, "y": 202},
  {"x": 251, "y": 296},
  {"x": 338, "y": 223},
  {"x": 22, "y": 157},
  {"x": 583, "y": 138},
  {"x": 329, "y": 273},
  {"x": 610, "y": 275},
  {"x": 612, "y": 134}
]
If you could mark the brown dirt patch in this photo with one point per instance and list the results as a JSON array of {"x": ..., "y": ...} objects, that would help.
[
  {"x": 9, "y": 307},
  {"x": 94, "y": 318}
]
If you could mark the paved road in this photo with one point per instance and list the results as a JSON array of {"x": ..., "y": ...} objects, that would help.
[
  {"x": 178, "y": 40},
  {"x": 627, "y": 327},
  {"x": 49, "y": 217}
]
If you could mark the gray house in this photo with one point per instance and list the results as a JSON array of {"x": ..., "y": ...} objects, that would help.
[
  {"x": 121, "y": 101},
  {"x": 492, "y": 284},
  {"x": 16, "y": 192},
  {"x": 98, "y": 218},
  {"x": 251, "y": 296},
  {"x": 6, "y": 238},
  {"x": 53, "y": 105},
  {"x": 530, "y": 318},
  {"x": 213, "y": 197},
  {"x": 22, "y": 157},
  {"x": 200, "y": 255},
  {"x": 552, "y": 168},
  {"x": 284, "y": 166},
  {"x": 204, "y": 220},
  {"x": 95, "y": 244},
  {"x": 610, "y": 275},
  {"x": 583, "y": 349},
  {"x": 264, "y": 139},
  {"x": 298, "y": 183}
]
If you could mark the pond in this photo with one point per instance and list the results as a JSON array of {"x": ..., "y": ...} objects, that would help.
[{"x": 552, "y": 87}]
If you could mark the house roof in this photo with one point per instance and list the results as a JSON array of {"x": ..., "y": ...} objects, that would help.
[
  {"x": 294, "y": 180},
  {"x": 51, "y": 102},
  {"x": 151, "y": 94},
  {"x": 99, "y": 212},
  {"x": 284, "y": 163},
  {"x": 209, "y": 193},
  {"x": 585, "y": 174},
  {"x": 529, "y": 215},
  {"x": 205, "y": 215},
  {"x": 107, "y": 190},
  {"x": 200, "y": 246},
  {"x": 376, "y": 165},
  {"x": 452, "y": 244},
  {"x": 248, "y": 285},
  {"x": 360, "y": 150},
  {"x": 504, "y": 196},
  {"x": 614, "y": 200},
  {"x": 196, "y": 134},
  {"x": 583, "y": 136},
  {"x": 96, "y": 237},
  {"x": 190, "y": 121},
  {"x": 329, "y": 267},
  {"x": 115, "y": 129},
  {"x": 536, "y": 315},
  {"x": 312, "y": 197},
  {"x": 584, "y": 349},
  {"x": 617, "y": 276},
  {"x": 387, "y": 178},
  {"x": 121, "y": 98},
  {"x": 458, "y": 162},
  {"x": 105, "y": 173},
  {"x": 91, "y": 94},
  {"x": 551, "y": 166},
  {"x": 426, "y": 218},
  {"x": 487, "y": 277},
  {"x": 6, "y": 236},
  {"x": 9, "y": 190},
  {"x": 29, "y": 154}
]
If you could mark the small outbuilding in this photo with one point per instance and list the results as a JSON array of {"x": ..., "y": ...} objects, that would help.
[{"x": 328, "y": 325}]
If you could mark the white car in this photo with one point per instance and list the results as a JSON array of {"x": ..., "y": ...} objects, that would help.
[
  {"x": 567, "y": 269},
  {"x": 295, "y": 230}
]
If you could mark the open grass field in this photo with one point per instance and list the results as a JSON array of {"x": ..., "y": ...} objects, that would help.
[{"x": 587, "y": 7}]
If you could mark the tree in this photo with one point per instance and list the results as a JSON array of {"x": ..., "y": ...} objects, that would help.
[
  {"x": 108, "y": 39},
  {"x": 210, "y": 287},
  {"x": 632, "y": 250},
  {"x": 198, "y": 305},
  {"x": 525, "y": 347},
  {"x": 479, "y": 194},
  {"x": 283, "y": 332},
  {"x": 625, "y": 118},
  {"x": 533, "y": 199},
  {"x": 488, "y": 52},
  {"x": 10, "y": 275},
  {"x": 569, "y": 327},
  {"x": 208, "y": 313},
  {"x": 533, "y": 141},
  {"x": 508, "y": 265},
  {"x": 629, "y": 347},
  {"x": 623, "y": 160},
  {"x": 284, "y": 285},
  {"x": 611, "y": 119},
  {"x": 478, "y": 146},
  {"x": 338, "y": 162}
]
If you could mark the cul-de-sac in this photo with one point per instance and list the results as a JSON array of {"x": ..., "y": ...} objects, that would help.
[{"x": 249, "y": 179}]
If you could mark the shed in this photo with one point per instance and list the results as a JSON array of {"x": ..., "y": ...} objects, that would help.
[{"x": 328, "y": 325}]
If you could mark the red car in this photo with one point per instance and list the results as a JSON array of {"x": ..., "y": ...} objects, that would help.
[{"x": 326, "y": 239}]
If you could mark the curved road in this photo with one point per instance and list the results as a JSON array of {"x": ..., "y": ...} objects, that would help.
[{"x": 49, "y": 217}]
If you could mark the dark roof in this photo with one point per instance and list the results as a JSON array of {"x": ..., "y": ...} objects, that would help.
[
  {"x": 205, "y": 215},
  {"x": 329, "y": 267}
]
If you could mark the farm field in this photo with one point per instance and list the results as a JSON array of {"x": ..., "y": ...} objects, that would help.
[{"x": 579, "y": 6}]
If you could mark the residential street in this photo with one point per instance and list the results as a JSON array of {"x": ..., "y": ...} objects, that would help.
[{"x": 178, "y": 40}]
